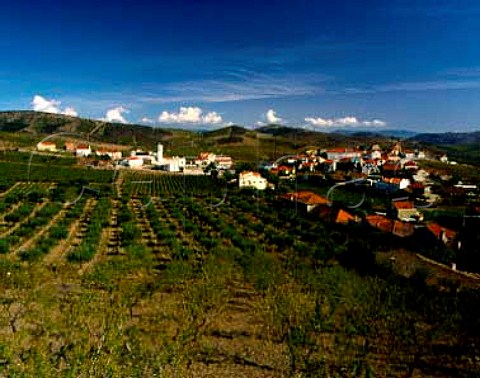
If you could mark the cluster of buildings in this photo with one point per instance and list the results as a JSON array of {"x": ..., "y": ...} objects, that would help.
[
  {"x": 193, "y": 164},
  {"x": 391, "y": 173},
  {"x": 82, "y": 150},
  {"x": 140, "y": 159},
  {"x": 396, "y": 221}
]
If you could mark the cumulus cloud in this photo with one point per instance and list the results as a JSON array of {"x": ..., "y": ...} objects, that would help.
[
  {"x": 190, "y": 115},
  {"x": 70, "y": 112},
  {"x": 272, "y": 117},
  {"x": 343, "y": 122},
  {"x": 42, "y": 104},
  {"x": 212, "y": 118},
  {"x": 116, "y": 115},
  {"x": 147, "y": 120}
]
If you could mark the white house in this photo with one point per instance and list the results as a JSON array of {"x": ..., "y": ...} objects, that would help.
[
  {"x": 47, "y": 146},
  {"x": 342, "y": 153},
  {"x": 134, "y": 161},
  {"x": 112, "y": 154},
  {"x": 223, "y": 162},
  {"x": 252, "y": 180},
  {"x": 83, "y": 150},
  {"x": 173, "y": 164}
]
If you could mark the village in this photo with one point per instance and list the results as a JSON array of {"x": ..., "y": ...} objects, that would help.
[
  {"x": 393, "y": 174},
  {"x": 396, "y": 177},
  {"x": 139, "y": 159}
]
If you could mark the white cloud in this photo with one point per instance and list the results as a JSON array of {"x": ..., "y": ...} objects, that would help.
[
  {"x": 212, "y": 118},
  {"x": 70, "y": 112},
  {"x": 375, "y": 122},
  {"x": 245, "y": 85},
  {"x": 147, "y": 120},
  {"x": 342, "y": 122},
  {"x": 272, "y": 117},
  {"x": 190, "y": 115},
  {"x": 116, "y": 115},
  {"x": 41, "y": 104}
]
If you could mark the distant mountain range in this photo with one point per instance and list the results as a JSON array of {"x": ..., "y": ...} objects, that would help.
[
  {"x": 462, "y": 147},
  {"x": 448, "y": 138},
  {"x": 400, "y": 134}
]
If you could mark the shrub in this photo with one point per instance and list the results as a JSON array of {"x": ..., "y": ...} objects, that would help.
[{"x": 4, "y": 246}]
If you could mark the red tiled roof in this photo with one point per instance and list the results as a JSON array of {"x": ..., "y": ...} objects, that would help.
[
  {"x": 417, "y": 185},
  {"x": 403, "y": 205},
  {"x": 344, "y": 217},
  {"x": 380, "y": 221},
  {"x": 385, "y": 224},
  {"x": 393, "y": 180},
  {"x": 307, "y": 197},
  {"x": 83, "y": 147},
  {"x": 437, "y": 230},
  {"x": 391, "y": 167},
  {"x": 47, "y": 143}
]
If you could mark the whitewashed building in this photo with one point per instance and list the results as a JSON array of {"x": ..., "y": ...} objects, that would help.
[
  {"x": 47, "y": 146},
  {"x": 112, "y": 154},
  {"x": 252, "y": 180},
  {"x": 83, "y": 150},
  {"x": 134, "y": 161}
]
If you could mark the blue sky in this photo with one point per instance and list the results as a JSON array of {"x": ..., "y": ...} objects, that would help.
[{"x": 352, "y": 64}]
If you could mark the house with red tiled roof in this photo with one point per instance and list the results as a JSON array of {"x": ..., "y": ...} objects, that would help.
[
  {"x": 395, "y": 227},
  {"x": 380, "y": 222},
  {"x": 399, "y": 183},
  {"x": 111, "y": 153},
  {"x": 284, "y": 171},
  {"x": 47, "y": 146},
  {"x": 391, "y": 169},
  {"x": 405, "y": 210},
  {"x": 83, "y": 150},
  {"x": 342, "y": 153},
  {"x": 249, "y": 179},
  {"x": 411, "y": 165},
  {"x": 306, "y": 200},
  {"x": 134, "y": 161},
  {"x": 344, "y": 217},
  {"x": 69, "y": 146},
  {"x": 443, "y": 234}
]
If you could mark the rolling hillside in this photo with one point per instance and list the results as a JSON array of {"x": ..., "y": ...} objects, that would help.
[
  {"x": 464, "y": 147},
  {"x": 24, "y": 128},
  {"x": 265, "y": 143}
]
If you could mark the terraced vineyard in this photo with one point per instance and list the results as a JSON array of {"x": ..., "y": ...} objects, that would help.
[{"x": 163, "y": 275}]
